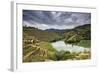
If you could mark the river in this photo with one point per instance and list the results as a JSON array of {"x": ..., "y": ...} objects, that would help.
[{"x": 60, "y": 45}]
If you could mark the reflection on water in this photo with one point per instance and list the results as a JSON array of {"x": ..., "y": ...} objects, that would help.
[{"x": 60, "y": 45}]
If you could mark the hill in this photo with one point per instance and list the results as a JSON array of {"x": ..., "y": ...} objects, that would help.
[
  {"x": 78, "y": 34},
  {"x": 41, "y": 34}
]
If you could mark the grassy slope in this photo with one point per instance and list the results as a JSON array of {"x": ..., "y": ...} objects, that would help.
[
  {"x": 37, "y": 53},
  {"x": 80, "y": 36},
  {"x": 85, "y": 43},
  {"x": 40, "y": 34}
]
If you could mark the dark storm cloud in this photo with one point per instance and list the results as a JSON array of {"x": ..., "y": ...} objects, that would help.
[{"x": 55, "y": 18}]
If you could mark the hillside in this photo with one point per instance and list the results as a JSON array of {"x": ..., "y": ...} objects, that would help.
[
  {"x": 40, "y": 34},
  {"x": 78, "y": 34}
]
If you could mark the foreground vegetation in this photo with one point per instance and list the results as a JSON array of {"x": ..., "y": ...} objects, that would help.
[{"x": 45, "y": 52}]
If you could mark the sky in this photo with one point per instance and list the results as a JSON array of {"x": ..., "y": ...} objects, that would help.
[{"x": 55, "y": 19}]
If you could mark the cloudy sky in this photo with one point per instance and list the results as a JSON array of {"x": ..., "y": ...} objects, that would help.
[{"x": 55, "y": 19}]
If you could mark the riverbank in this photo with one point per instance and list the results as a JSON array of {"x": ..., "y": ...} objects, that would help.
[{"x": 61, "y": 45}]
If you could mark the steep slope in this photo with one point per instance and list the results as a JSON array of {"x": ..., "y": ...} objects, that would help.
[
  {"x": 78, "y": 34},
  {"x": 35, "y": 50},
  {"x": 40, "y": 34}
]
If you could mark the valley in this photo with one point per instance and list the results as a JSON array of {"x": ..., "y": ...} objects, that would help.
[{"x": 56, "y": 45}]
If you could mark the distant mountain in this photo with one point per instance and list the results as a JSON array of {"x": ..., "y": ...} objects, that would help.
[
  {"x": 56, "y": 30},
  {"x": 67, "y": 30},
  {"x": 83, "y": 26}
]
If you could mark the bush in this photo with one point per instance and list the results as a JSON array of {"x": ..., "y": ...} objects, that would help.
[{"x": 67, "y": 56}]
